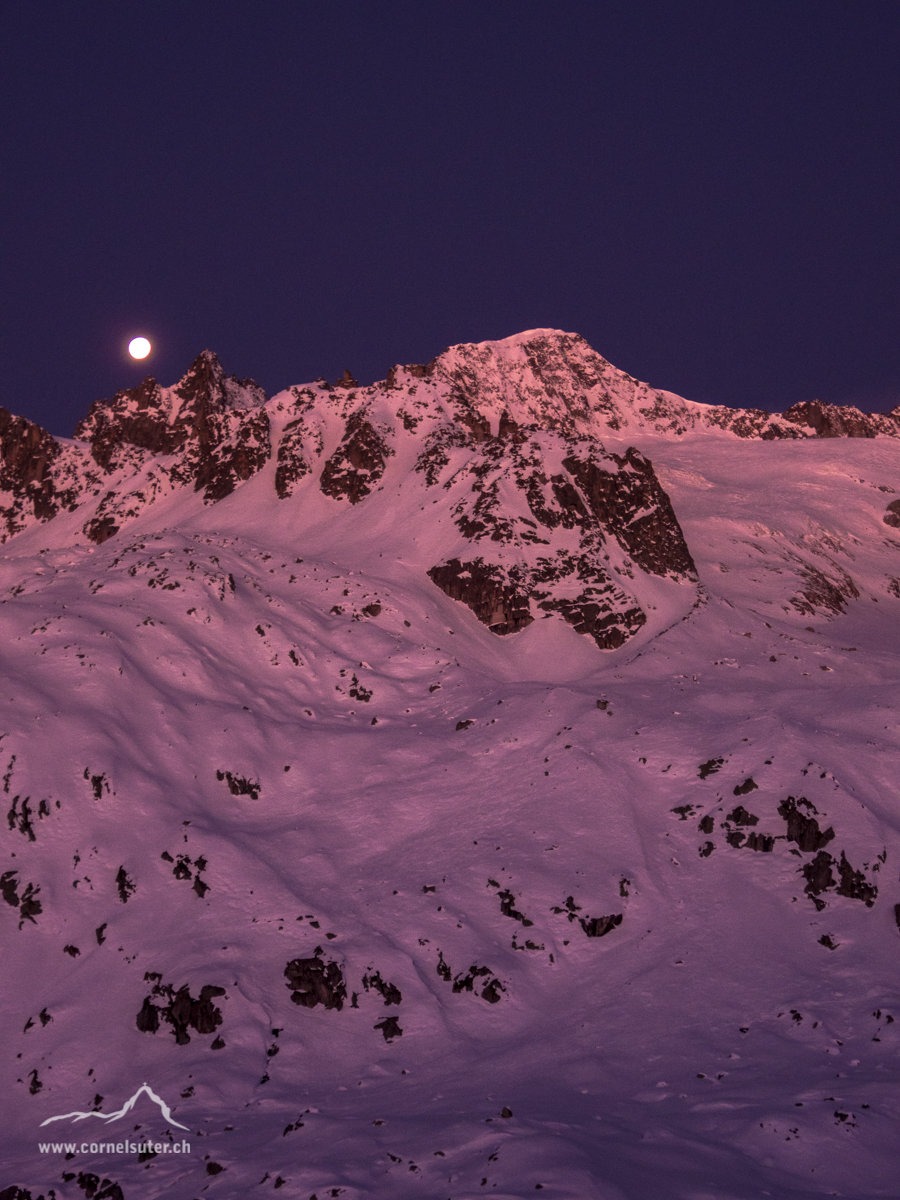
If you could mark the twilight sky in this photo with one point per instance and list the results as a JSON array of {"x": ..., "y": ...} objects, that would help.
[{"x": 707, "y": 190}]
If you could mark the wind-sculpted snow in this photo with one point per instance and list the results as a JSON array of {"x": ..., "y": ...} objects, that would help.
[{"x": 341, "y": 822}]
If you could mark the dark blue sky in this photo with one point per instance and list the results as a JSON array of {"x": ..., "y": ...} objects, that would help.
[{"x": 707, "y": 190}]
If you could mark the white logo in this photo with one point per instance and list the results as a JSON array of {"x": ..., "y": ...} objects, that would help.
[{"x": 127, "y": 1107}]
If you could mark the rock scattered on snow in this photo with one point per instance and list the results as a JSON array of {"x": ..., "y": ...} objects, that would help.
[{"x": 313, "y": 981}]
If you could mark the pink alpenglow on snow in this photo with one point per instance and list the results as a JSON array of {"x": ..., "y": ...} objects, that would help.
[{"x": 479, "y": 781}]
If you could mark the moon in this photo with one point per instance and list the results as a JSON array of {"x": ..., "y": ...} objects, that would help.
[{"x": 139, "y": 347}]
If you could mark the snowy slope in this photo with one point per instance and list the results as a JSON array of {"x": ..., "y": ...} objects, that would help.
[{"x": 636, "y": 892}]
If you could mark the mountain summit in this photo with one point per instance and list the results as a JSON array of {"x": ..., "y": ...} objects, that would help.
[
  {"x": 504, "y": 444},
  {"x": 213, "y": 432},
  {"x": 483, "y": 782}
]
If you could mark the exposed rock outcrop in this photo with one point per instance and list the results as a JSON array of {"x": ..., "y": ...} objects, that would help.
[
  {"x": 359, "y": 461},
  {"x": 830, "y": 421},
  {"x": 209, "y": 432},
  {"x": 182, "y": 1011},
  {"x": 35, "y": 481},
  {"x": 520, "y": 496},
  {"x": 600, "y": 926},
  {"x": 498, "y": 598},
  {"x": 313, "y": 981},
  {"x": 203, "y": 418},
  {"x": 801, "y": 829}
]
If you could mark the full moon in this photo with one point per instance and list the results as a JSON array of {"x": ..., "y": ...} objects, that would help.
[{"x": 139, "y": 347}]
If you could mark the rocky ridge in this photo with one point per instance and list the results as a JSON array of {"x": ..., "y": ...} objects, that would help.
[{"x": 507, "y": 439}]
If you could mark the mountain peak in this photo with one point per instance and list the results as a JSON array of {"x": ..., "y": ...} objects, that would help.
[
  {"x": 204, "y": 380},
  {"x": 509, "y": 696},
  {"x": 492, "y": 402}
]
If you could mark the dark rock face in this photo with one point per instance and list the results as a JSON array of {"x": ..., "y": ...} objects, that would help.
[
  {"x": 235, "y": 451},
  {"x": 96, "y": 1188},
  {"x": 468, "y": 982},
  {"x": 854, "y": 884},
  {"x": 146, "y": 418},
  {"x": 439, "y": 448},
  {"x": 801, "y": 829},
  {"x": 100, "y": 529},
  {"x": 760, "y": 841},
  {"x": 125, "y": 886},
  {"x": 744, "y": 789},
  {"x": 209, "y": 431},
  {"x": 238, "y": 785},
  {"x": 507, "y": 907},
  {"x": 32, "y": 473},
  {"x": 600, "y": 926},
  {"x": 313, "y": 981},
  {"x": 390, "y": 993},
  {"x": 207, "y": 420},
  {"x": 147, "y": 1019},
  {"x": 30, "y": 906},
  {"x": 710, "y": 768},
  {"x": 27, "y": 903},
  {"x": 527, "y": 565},
  {"x": 805, "y": 832},
  {"x": 359, "y": 461},
  {"x": 829, "y": 421},
  {"x": 292, "y": 464},
  {"x": 822, "y": 593},
  {"x": 740, "y": 816},
  {"x": 892, "y": 516},
  {"x": 751, "y": 423},
  {"x": 492, "y": 595},
  {"x": 21, "y": 817},
  {"x": 9, "y": 888},
  {"x": 135, "y": 417},
  {"x": 390, "y": 1027},
  {"x": 654, "y": 538},
  {"x": 204, "y": 1017},
  {"x": 819, "y": 876},
  {"x": 182, "y": 1011},
  {"x": 226, "y": 441}
]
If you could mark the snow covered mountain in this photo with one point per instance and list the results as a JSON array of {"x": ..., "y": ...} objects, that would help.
[{"x": 544, "y": 839}]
